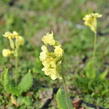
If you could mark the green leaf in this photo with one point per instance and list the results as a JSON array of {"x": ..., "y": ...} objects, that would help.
[
  {"x": 6, "y": 79},
  {"x": 24, "y": 100},
  {"x": 103, "y": 75},
  {"x": 23, "y": 86},
  {"x": 25, "y": 83},
  {"x": 63, "y": 101},
  {"x": 90, "y": 69},
  {"x": 8, "y": 85}
]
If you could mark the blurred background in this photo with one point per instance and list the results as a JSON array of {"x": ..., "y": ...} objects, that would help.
[{"x": 34, "y": 18}]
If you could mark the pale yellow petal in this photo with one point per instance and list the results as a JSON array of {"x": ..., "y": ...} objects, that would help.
[{"x": 48, "y": 39}]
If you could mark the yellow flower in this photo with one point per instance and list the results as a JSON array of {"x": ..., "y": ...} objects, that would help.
[
  {"x": 58, "y": 51},
  {"x": 14, "y": 38},
  {"x": 12, "y": 45},
  {"x": 15, "y": 35},
  {"x": 15, "y": 41},
  {"x": 48, "y": 39},
  {"x": 43, "y": 54},
  {"x": 19, "y": 41},
  {"x": 91, "y": 20},
  {"x": 52, "y": 72},
  {"x": 7, "y": 52},
  {"x": 51, "y": 60},
  {"x": 10, "y": 35}
]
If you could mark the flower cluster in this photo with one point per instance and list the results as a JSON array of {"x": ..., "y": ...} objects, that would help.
[
  {"x": 15, "y": 41},
  {"x": 91, "y": 20},
  {"x": 51, "y": 56}
]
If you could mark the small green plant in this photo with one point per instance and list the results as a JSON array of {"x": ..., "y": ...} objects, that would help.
[
  {"x": 11, "y": 82},
  {"x": 90, "y": 20},
  {"x": 17, "y": 89},
  {"x": 90, "y": 80},
  {"x": 51, "y": 58}
]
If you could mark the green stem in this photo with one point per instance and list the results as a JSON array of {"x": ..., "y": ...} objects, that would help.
[
  {"x": 65, "y": 86},
  {"x": 16, "y": 64},
  {"x": 94, "y": 54},
  {"x": 94, "y": 48},
  {"x": 66, "y": 91}
]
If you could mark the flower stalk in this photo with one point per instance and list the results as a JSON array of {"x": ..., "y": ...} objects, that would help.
[
  {"x": 94, "y": 45},
  {"x": 15, "y": 41},
  {"x": 66, "y": 91},
  {"x": 90, "y": 20},
  {"x": 16, "y": 64},
  {"x": 52, "y": 59}
]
